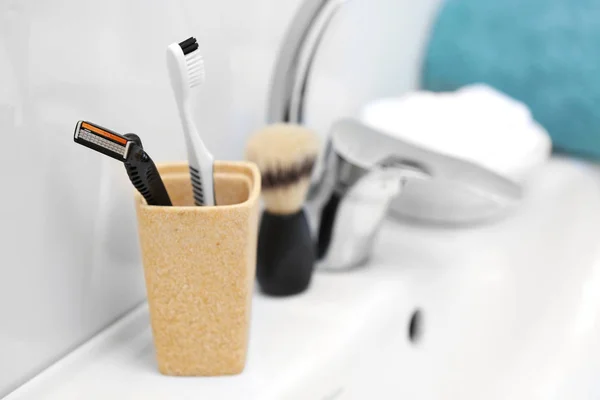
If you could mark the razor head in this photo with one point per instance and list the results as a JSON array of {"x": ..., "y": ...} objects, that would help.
[{"x": 103, "y": 140}]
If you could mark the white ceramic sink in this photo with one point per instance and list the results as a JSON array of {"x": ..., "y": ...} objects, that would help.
[
  {"x": 511, "y": 310},
  {"x": 508, "y": 311}
]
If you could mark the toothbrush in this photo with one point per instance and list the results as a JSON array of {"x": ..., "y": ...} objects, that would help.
[
  {"x": 128, "y": 149},
  {"x": 186, "y": 69}
]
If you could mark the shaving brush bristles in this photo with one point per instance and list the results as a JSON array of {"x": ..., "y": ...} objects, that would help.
[
  {"x": 285, "y": 155},
  {"x": 286, "y": 200}
]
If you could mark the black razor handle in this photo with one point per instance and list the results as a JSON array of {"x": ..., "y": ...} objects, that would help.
[
  {"x": 285, "y": 254},
  {"x": 144, "y": 175}
]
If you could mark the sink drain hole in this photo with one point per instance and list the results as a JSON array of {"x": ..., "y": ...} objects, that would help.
[{"x": 415, "y": 326}]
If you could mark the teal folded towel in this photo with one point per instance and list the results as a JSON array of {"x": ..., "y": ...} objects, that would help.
[{"x": 545, "y": 53}]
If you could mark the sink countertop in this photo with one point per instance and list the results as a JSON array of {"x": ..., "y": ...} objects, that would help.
[
  {"x": 289, "y": 339},
  {"x": 510, "y": 310}
]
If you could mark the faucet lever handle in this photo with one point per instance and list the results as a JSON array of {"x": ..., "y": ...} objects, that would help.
[{"x": 367, "y": 147}]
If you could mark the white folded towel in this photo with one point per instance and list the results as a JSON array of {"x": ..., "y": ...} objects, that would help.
[{"x": 476, "y": 123}]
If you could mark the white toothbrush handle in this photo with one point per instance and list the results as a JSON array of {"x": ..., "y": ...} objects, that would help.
[
  {"x": 186, "y": 70},
  {"x": 200, "y": 160}
]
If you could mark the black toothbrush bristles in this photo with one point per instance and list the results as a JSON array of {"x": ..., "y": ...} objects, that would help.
[{"x": 188, "y": 45}]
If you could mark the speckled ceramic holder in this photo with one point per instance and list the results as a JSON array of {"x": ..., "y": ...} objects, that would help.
[{"x": 199, "y": 265}]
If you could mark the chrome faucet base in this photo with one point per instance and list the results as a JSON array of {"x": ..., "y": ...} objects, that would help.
[
  {"x": 364, "y": 171},
  {"x": 328, "y": 266}
]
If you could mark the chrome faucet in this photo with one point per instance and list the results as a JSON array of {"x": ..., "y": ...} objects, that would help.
[
  {"x": 291, "y": 72},
  {"x": 350, "y": 200},
  {"x": 363, "y": 169}
]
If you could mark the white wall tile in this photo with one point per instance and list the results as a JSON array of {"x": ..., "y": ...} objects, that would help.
[
  {"x": 68, "y": 243},
  {"x": 69, "y": 251}
]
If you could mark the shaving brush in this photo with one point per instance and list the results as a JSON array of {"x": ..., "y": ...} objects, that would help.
[{"x": 285, "y": 155}]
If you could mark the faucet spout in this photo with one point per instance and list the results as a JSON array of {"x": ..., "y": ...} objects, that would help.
[{"x": 291, "y": 72}]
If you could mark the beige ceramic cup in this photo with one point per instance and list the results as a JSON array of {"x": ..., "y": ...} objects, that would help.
[{"x": 199, "y": 265}]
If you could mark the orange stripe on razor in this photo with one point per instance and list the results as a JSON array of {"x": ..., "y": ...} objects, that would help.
[{"x": 100, "y": 132}]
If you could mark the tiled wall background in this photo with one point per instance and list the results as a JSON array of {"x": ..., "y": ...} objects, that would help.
[{"x": 70, "y": 262}]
